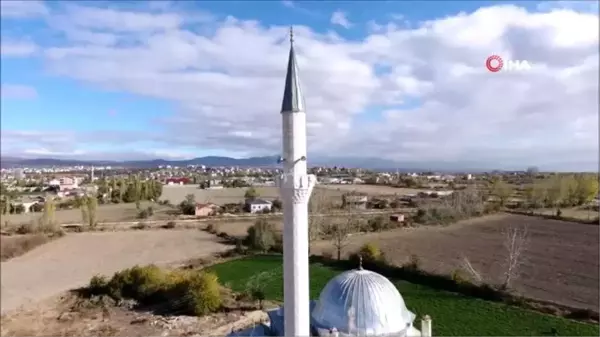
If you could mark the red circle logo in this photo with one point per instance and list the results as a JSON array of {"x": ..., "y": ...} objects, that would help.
[{"x": 494, "y": 63}]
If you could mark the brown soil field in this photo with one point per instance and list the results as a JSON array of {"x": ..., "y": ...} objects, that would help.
[
  {"x": 70, "y": 262},
  {"x": 105, "y": 213},
  {"x": 371, "y": 189},
  {"x": 560, "y": 263},
  {"x": 176, "y": 193},
  {"x": 240, "y": 228}
]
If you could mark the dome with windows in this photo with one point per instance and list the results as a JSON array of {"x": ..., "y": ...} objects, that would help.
[{"x": 362, "y": 302}]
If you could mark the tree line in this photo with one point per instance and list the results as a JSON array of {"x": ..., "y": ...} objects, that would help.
[
  {"x": 130, "y": 189},
  {"x": 558, "y": 191}
]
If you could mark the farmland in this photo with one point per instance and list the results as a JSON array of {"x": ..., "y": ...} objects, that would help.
[
  {"x": 105, "y": 213},
  {"x": 477, "y": 317},
  {"x": 375, "y": 190},
  {"x": 71, "y": 261},
  {"x": 559, "y": 264},
  {"x": 176, "y": 193}
]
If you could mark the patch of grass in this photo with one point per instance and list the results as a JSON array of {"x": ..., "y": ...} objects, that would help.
[
  {"x": 18, "y": 245},
  {"x": 453, "y": 314}
]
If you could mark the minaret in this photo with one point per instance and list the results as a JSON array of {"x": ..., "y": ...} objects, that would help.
[{"x": 295, "y": 188}]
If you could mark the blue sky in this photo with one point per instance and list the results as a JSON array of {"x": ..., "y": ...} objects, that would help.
[{"x": 65, "y": 95}]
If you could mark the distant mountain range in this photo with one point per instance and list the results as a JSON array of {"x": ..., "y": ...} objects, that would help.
[{"x": 266, "y": 161}]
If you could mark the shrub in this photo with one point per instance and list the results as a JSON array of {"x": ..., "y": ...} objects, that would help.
[
  {"x": 141, "y": 225},
  {"x": 278, "y": 246},
  {"x": 277, "y": 205},
  {"x": 370, "y": 253},
  {"x": 28, "y": 228},
  {"x": 98, "y": 285},
  {"x": 181, "y": 291},
  {"x": 193, "y": 292},
  {"x": 459, "y": 276},
  {"x": 212, "y": 228},
  {"x": 138, "y": 283},
  {"x": 239, "y": 246},
  {"x": 143, "y": 214},
  {"x": 170, "y": 225},
  {"x": 377, "y": 224},
  {"x": 261, "y": 236},
  {"x": 414, "y": 263}
]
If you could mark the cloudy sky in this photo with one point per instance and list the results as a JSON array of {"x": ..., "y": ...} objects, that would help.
[{"x": 397, "y": 80}]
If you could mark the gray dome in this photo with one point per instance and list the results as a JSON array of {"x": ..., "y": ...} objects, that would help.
[{"x": 362, "y": 302}]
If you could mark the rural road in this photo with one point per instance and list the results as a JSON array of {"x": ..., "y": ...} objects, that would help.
[{"x": 71, "y": 261}]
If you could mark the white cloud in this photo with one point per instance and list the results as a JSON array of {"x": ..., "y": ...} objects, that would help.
[
  {"x": 17, "y": 91},
  {"x": 339, "y": 18},
  {"x": 22, "y": 9},
  {"x": 288, "y": 3},
  {"x": 410, "y": 94},
  {"x": 17, "y": 48}
]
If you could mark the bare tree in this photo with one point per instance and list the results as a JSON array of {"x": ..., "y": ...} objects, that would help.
[
  {"x": 318, "y": 205},
  {"x": 515, "y": 242},
  {"x": 340, "y": 233},
  {"x": 465, "y": 264}
]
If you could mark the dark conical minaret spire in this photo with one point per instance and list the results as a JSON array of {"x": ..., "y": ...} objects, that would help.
[{"x": 293, "y": 100}]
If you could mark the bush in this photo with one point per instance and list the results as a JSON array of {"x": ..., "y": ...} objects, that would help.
[
  {"x": 193, "y": 292},
  {"x": 181, "y": 291},
  {"x": 277, "y": 205},
  {"x": 212, "y": 228},
  {"x": 370, "y": 254},
  {"x": 378, "y": 224},
  {"x": 278, "y": 246},
  {"x": 414, "y": 263},
  {"x": 141, "y": 225},
  {"x": 98, "y": 285},
  {"x": 459, "y": 276},
  {"x": 239, "y": 246},
  {"x": 170, "y": 225},
  {"x": 143, "y": 214},
  {"x": 261, "y": 236}
]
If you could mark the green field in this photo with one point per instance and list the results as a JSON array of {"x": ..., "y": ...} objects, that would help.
[{"x": 452, "y": 314}]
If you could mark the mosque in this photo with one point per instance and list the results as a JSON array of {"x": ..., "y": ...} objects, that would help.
[{"x": 357, "y": 302}]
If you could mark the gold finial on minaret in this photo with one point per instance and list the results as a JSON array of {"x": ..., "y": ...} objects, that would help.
[{"x": 292, "y": 35}]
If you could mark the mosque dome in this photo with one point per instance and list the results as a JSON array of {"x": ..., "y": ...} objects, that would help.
[{"x": 362, "y": 302}]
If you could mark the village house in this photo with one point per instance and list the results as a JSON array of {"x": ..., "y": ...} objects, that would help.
[
  {"x": 355, "y": 201},
  {"x": 177, "y": 181},
  {"x": 258, "y": 205},
  {"x": 397, "y": 217},
  {"x": 205, "y": 209}
]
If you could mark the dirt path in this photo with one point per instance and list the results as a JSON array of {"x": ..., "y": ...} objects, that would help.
[{"x": 71, "y": 261}]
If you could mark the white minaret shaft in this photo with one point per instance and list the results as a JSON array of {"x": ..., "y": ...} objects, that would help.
[{"x": 295, "y": 187}]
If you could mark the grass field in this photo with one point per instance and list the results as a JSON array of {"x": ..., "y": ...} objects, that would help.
[
  {"x": 105, "y": 213},
  {"x": 177, "y": 193},
  {"x": 452, "y": 314}
]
